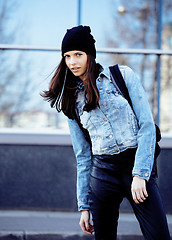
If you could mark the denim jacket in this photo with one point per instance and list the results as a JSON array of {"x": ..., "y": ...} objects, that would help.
[{"x": 113, "y": 127}]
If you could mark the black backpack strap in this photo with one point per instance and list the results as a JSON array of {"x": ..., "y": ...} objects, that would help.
[{"x": 119, "y": 82}]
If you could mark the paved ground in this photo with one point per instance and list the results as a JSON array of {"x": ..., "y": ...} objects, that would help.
[{"x": 28, "y": 225}]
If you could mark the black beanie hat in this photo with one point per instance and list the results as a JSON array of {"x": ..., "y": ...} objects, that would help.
[{"x": 79, "y": 38}]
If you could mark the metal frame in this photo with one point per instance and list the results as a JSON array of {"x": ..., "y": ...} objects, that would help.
[{"x": 98, "y": 50}]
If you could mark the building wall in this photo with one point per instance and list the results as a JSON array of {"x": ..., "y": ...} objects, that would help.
[{"x": 43, "y": 176}]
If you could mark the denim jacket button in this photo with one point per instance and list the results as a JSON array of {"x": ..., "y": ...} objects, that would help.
[
  {"x": 104, "y": 119},
  {"x": 104, "y": 104},
  {"x": 115, "y": 150},
  {"x": 116, "y": 94},
  {"x": 99, "y": 79},
  {"x": 110, "y": 136},
  {"x": 108, "y": 92},
  {"x": 100, "y": 88},
  {"x": 146, "y": 174}
]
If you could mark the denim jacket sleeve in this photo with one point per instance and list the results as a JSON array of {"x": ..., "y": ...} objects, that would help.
[
  {"x": 82, "y": 150},
  {"x": 146, "y": 137}
]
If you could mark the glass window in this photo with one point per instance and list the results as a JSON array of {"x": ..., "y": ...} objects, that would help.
[{"x": 114, "y": 24}]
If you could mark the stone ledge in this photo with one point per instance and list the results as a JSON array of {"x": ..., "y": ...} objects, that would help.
[{"x": 23, "y": 236}]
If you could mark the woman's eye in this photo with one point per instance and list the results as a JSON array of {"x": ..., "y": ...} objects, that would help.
[
  {"x": 67, "y": 56},
  {"x": 79, "y": 54}
]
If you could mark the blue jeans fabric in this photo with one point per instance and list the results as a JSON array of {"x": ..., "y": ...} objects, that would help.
[{"x": 110, "y": 182}]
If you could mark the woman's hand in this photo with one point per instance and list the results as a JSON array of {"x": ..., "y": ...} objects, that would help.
[
  {"x": 138, "y": 189},
  {"x": 85, "y": 222}
]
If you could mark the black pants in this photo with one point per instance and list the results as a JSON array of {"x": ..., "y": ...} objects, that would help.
[{"x": 110, "y": 181}]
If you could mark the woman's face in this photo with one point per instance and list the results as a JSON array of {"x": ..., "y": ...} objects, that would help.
[{"x": 76, "y": 62}]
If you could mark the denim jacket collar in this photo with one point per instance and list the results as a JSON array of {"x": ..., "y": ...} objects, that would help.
[{"x": 105, "y": 72}]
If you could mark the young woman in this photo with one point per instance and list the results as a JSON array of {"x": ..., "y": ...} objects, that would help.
[{"x": 116, "y": 159}]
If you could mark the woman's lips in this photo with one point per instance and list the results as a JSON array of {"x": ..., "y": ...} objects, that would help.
[{"x": 75, "y": 69}]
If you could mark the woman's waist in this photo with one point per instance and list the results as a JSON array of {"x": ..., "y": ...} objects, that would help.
[
  {"x": 117, "y": 163},
  {"x": 128, "y": 153}
]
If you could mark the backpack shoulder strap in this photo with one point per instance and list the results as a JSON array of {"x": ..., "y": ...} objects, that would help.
[{"x": 119, "y": 82}]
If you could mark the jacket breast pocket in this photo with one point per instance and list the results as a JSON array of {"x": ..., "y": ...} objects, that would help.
[{"x": 117, "y": 100}]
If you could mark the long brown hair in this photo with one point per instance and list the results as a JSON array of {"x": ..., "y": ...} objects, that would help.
[{"x": 63, "y": 86}]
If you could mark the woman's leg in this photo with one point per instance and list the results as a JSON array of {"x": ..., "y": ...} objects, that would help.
[
  {"x": 104, "y": 210},
  {"x": 107, "y": 191},
  {"x": 150, "y": 213}
]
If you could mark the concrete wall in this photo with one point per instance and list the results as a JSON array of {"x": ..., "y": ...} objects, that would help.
[
  {"x": 37, "y": 177},
  {"x": 38, "y": 172}
]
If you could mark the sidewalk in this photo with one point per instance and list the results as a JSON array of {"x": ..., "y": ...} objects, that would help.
[{"x": 28, "y": 225}]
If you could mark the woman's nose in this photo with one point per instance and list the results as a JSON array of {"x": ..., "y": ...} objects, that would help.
[{"x": 72, "y": 61}]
